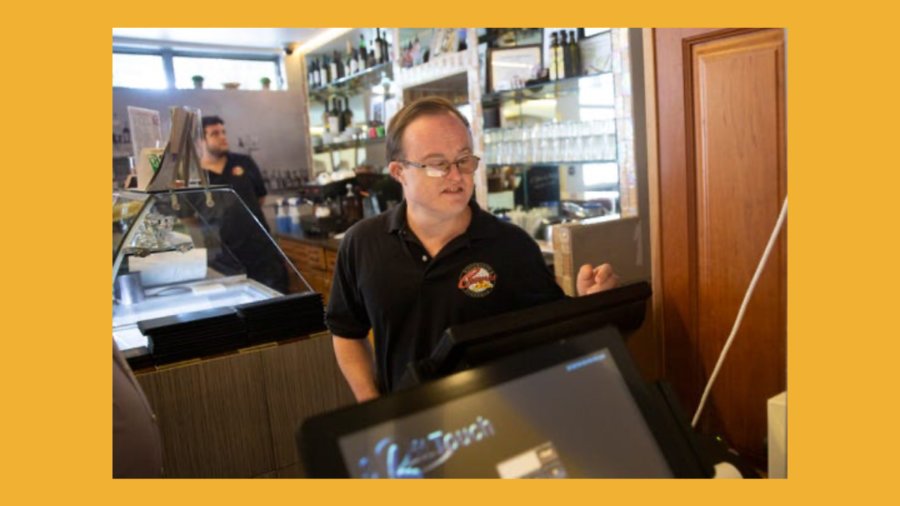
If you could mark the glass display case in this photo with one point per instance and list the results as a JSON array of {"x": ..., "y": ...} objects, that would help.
[{"x": 196, "y": 273}]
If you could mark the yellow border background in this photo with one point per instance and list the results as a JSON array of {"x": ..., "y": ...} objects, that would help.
[{"x": 842, "y": 113}]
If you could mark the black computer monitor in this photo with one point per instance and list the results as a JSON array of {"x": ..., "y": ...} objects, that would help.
[
  {"x": 573, "y": 408},
  {"x": 473, "y": 343}
]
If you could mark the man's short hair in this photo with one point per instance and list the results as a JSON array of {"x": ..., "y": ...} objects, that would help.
[
  {"x": 420, "y": 107},
  {"x": 209, "y": 121}
]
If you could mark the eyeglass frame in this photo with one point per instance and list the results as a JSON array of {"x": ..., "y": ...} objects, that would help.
[{"x": 430, "y": 170}]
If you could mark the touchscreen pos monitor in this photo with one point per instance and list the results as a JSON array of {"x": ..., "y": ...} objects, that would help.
[
  {"x": 469, "y": 344},
  {"x": 574, "y": 408}
]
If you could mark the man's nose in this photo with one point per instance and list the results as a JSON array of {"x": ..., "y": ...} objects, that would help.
[{"x": 454, "y": 173}]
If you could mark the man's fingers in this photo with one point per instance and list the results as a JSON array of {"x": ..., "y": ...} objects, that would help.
[{"x": 586, "y": 272}]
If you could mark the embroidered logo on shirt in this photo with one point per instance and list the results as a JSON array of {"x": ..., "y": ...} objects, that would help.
[
  {"x": 477, "y": 280},
  {"x": 237, "y": 171}
]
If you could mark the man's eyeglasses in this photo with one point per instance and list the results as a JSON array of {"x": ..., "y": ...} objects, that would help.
[{"x": 466, "y": 165}]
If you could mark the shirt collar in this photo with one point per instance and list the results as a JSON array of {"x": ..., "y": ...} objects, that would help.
[{"x": 481, "y": 226}]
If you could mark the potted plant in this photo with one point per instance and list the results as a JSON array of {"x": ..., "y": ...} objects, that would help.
[
  {"x": 198, "y": 82},
  {"x": 266, "y": 83}
]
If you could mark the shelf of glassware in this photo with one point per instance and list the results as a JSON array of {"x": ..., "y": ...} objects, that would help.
[
  {"x": 369, "y": 77},
  {"x": 552, "y": 143},
  {"x": 440, "y": 67}
]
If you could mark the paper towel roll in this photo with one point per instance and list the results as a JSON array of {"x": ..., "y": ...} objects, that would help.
[{"x": 170, "y": 267}]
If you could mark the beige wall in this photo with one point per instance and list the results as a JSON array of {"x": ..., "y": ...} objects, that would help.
[{"x": 277, "y": 120}]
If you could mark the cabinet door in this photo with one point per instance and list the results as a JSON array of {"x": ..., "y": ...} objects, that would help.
[{"x": 723, "y": 177}]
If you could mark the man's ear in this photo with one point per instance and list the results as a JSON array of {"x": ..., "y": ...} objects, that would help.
[{"x": 396, "y": 169}]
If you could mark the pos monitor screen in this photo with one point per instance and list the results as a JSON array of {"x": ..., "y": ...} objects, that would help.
[
  {"x": 473, "y": 343},
  {"x": 573, "y": 408}
]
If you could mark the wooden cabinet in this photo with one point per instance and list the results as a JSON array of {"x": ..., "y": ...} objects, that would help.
[
  {"x": 235, "y": 416},
  {"x": 314, "y": 261},
  {"x": 723, "y": 178}
]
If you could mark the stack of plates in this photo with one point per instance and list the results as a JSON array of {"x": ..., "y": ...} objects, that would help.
[
  {"x": 196, "y": 334},
  {"x": 293, "y": 315}
]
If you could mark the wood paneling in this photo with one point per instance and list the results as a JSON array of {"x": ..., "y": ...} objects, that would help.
[
  {"x": 235, "y": 416},
  {"x": 722, "y": 181},
  {"x": 213, "y": 417},
  {"x": 301, "y": 380},
  {"x": 315, "y": 263}
]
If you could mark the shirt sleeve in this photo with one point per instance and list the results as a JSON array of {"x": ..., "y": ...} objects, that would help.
[
  {"x": 346, "y": 315},
  {"x": 540, "y": 285}
]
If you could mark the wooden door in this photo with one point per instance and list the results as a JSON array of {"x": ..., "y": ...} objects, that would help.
[{"x": 722, "y": 180}]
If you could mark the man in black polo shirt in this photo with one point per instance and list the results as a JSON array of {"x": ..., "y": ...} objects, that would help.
[
  {"x": 238, "y": 231},
  {"x": 435, "y": 260},
  {"x": 233, "y": 169}
]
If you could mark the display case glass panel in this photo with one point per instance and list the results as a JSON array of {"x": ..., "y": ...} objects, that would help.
[{"x": 191, "y": 252}]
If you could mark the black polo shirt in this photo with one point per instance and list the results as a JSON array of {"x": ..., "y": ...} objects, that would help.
[
  {"x": 239, "y": 233},
  {"x": 385, "y": 280},
  {"x": 243, "y": 175}
]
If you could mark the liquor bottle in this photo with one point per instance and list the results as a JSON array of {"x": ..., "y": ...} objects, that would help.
[
  {"x": 310, "y": 72},
  {"x": 338, "y": 66},
  {"x": 361, "y": 56},
  {"x": 326, "y": 71},
  {"x": 560, "y": 62},
  {"x": 334, "y": 119},
  {"x": 353, "y": 63},
  {"x": 567, "y": 60},
  {"x": 352, "y": 206},
  {"x": 346, "y": 115},
  {"x": 362, "y": 44},
  {"x": 336, "y": 111},
  {"x": 385, "y": 49},
  {"x": 377, "y": 47},
  {"x": 318, "y": 76},
  {"x": 574, "y": 54},
  {"x": 554, "y": 44},
  {"x": 326, "y": 119},
  {"x": 317, "y": 73},
  {"x": 370, "y": 59}
]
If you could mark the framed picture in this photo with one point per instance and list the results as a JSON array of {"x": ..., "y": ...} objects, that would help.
[
  {"x": 529, "y": 36},
  {"x": 510, "y": 67},
  {"x": 596, "y": 53},
  {"x": 445, "y": 40}
]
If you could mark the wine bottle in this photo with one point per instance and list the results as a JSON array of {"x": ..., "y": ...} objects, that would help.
[
  {"x": 326, "y": 118},
  {"x": 326, "y": 69},
  {"x": 564, "y": 49},
  {"x": 574, "y": 54},
  {"x": 385, "y": 49},
  {"x": 311, "y": 74},
  {"x": 338, "y": 65},
  {"x": 560, "y": 62},
  {"x": 347, "y": 114},
  {"x": 336, "y": 110},
  {"x": 353, "y": 62},
  {"x": 379, "y": 57},
  {"x": 334, "y": 125},
  {"x": 361, "y": 57},
  {"x": 318, "y": 76},
  {"x": 462, "y": 46},
  {"x": 370, "y": 59},
  {"x": 554, "y": 44}
]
